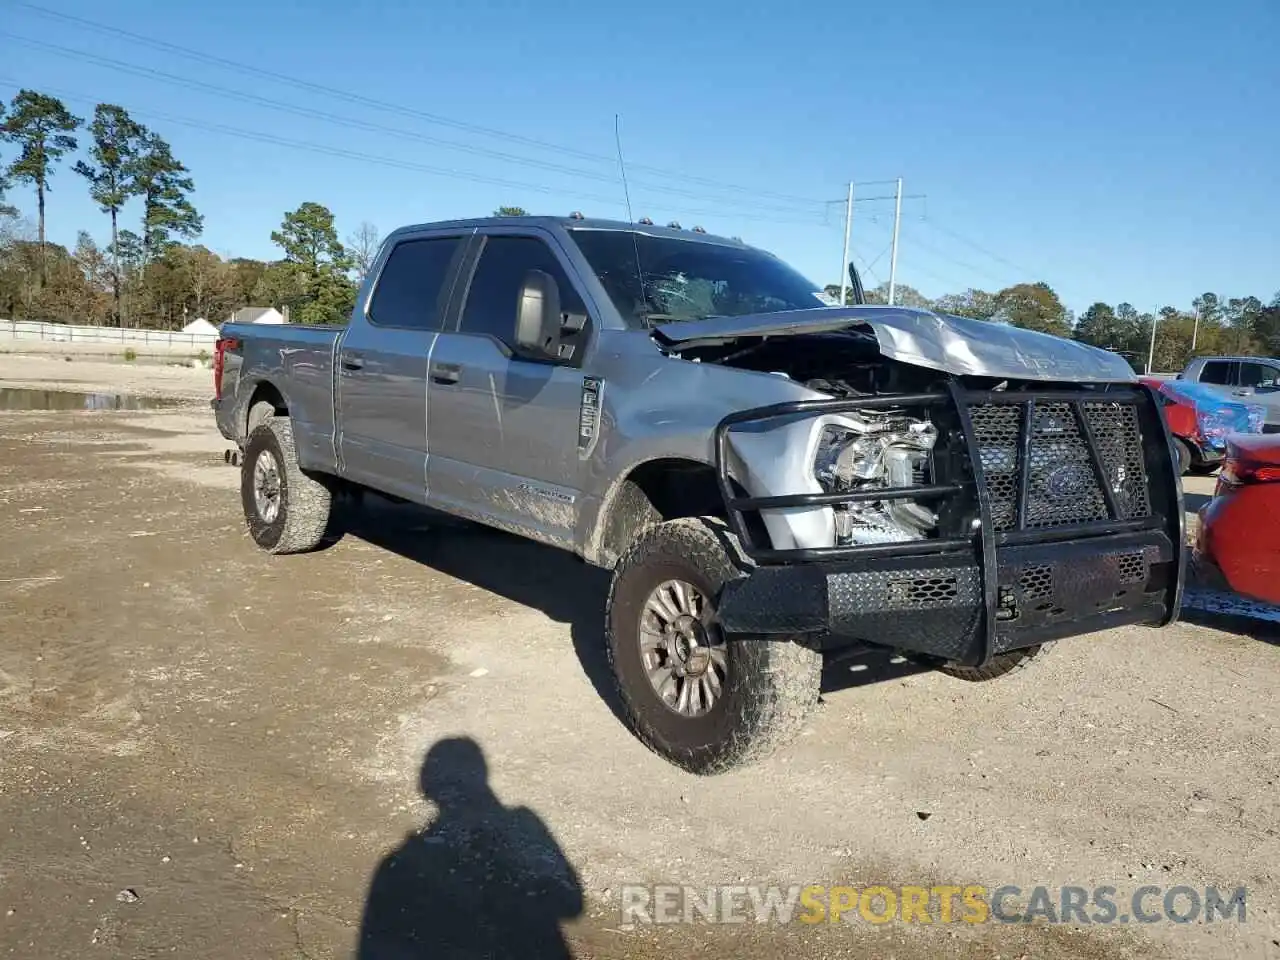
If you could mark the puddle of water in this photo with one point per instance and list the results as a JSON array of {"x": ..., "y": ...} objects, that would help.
[{"x": 19, "y": 399}]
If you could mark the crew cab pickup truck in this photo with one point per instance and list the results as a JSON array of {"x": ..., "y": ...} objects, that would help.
[
  {"x": 1256, "y": 379},
  {"x": 771, "y": 479}
]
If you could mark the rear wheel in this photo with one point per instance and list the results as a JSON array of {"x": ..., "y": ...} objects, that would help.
[
  {"x": 286, "y": 509},
  {"x": 700, "y": 699}
]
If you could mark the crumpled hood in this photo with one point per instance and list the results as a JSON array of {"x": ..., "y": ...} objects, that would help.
[{"x": 938, "y": 341}]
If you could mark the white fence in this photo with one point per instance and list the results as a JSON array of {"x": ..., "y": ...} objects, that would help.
[{"x": 33, "y": 330}]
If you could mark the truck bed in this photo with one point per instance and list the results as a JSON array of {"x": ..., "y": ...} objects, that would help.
[{"x": 294, "y": 357}]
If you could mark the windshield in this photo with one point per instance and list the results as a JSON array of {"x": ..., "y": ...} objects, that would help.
[{"x": 678, "y": 279}]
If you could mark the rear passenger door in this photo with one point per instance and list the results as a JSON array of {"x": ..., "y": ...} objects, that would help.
[
  {"x": 502, "y": 428},
  {"x": 382, "y": 366}
]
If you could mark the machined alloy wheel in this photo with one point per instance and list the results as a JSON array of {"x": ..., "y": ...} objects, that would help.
[
  {"x": 266, "y": 486},
  {"x": 683, "y": 652},
  {"x": 286, "y": 508},
  {"x": 702, "y": 699}
]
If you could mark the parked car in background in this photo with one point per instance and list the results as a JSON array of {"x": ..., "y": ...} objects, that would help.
[
  {"x": 1256, "y": 378},
  {"x": 1236, "y": 544},
  {"x": 1200, "y": 420}
]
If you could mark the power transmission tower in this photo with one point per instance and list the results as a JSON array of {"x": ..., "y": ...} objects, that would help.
[
  {"x": 893, "y": 257},
  {"x": 848, "y": 202},
  {"x": 844, "y": 257},
  {"x": 1151, "y": 353}
]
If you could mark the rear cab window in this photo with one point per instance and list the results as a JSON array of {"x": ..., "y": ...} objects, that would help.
[{"x": 411, "y": 292}]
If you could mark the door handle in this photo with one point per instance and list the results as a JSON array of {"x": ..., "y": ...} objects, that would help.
[
  {"x": 445, "y": 373},
  {"x": 352, "y": 363}
]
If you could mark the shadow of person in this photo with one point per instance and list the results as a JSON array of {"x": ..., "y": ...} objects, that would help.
[{"x": 481, "y": 881}]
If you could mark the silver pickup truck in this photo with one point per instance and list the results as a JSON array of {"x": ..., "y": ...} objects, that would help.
[{"x": 772, "y": 479}]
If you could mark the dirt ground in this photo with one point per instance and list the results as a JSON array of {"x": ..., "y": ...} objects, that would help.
[{"x": 209, "y": 752}]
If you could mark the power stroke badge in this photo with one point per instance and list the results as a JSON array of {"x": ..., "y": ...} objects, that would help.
[{"x": 589, "y": 415}]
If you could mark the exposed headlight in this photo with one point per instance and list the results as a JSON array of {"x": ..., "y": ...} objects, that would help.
[{"x": 867, "y": 451}]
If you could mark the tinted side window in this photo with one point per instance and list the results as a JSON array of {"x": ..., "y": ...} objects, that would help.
[
  {"x": 1256, "y": 374},
  {"x": 411, "y": 286},
  {"x": 1217, "y": 371},
  {"x": 495, "y": 288}
]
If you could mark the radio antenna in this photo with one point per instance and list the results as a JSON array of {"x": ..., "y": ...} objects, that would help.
[{"x": 626, "y": 193}]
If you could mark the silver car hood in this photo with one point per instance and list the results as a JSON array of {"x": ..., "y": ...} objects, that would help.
[{"x": 938, "y": 341}]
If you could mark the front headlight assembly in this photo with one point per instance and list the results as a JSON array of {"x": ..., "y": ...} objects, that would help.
[{"x": 866, "y": 451}]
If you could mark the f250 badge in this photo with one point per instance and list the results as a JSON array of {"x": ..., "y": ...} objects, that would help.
[{"x": 589, "y": 415}]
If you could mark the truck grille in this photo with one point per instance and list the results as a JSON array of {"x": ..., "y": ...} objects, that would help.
[{"x": 1058, "y": 467}]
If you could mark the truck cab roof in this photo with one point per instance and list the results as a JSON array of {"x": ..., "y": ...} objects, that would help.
[{"x": 696, "y": 234}]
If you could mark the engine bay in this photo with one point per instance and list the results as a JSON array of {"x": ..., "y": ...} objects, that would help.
[{"x": 860, "y": 451}]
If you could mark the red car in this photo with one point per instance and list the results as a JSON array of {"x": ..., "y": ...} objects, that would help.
[
  {"x": 1237, "y": 546},
  {"x": 1200, "y": 421}
]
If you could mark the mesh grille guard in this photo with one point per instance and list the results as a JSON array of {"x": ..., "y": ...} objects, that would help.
[{"x": 1038, "y": 467}]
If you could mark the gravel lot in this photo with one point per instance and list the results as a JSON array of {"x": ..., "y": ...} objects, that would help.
[{"x": 208, "y": 752}]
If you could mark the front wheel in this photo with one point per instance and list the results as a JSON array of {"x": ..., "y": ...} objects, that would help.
[
  {"x": 702, "y": 700},
  {"x": 1002, "y": 664},
  {"x": 287, "y": 510}
]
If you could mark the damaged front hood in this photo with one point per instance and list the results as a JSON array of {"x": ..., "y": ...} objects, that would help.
[{"x": 938, "y": 341}]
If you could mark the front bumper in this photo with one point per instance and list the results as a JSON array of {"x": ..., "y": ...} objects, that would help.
[
  {"x": 972, "y": 594},
  {"x": 937, "y": 605}
]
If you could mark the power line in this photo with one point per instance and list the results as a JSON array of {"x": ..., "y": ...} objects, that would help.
[
  {"x": 976, "y": 246},
  {"x": 344, "y": 153},
  {"x": 394, "y": 107},
  {"x": 880, "y": 255},
  {"x": 352, "y": 122},
  {"x": 866, "y": 267},
  {"x": 950, "y": 282},
  {"x": 959, "y": 263}
]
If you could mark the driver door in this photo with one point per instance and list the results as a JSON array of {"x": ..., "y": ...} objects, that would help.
[{"x": 502, "y": 428}]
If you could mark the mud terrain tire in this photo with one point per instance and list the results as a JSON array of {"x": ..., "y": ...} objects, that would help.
[
  {"x": 286, "y": 509},
  {"x": 768, "y": 685}
]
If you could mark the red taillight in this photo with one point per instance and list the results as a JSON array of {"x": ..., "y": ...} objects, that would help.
[
  {"x": 1239, "y": 472},
  {"x": 219, "y": 354}
]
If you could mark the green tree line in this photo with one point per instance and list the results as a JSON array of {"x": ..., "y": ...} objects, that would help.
[
  {"x": 1212, "y": 324},
  {"x": 149, "y": 272}
]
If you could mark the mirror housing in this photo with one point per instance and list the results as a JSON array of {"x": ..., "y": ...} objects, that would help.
[
  {"x": 538, "y": 317},
  {"x": 855, "y": 284}
]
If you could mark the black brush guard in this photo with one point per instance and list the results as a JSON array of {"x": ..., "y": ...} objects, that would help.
[{"x": 1028, "y": 574}]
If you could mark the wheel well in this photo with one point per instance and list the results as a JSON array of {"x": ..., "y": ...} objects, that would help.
[
  {"x": 661, "y": 490},
  {"x": 265, "y": 392}
]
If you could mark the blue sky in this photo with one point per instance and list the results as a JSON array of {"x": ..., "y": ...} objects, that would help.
[{"x": 1119, "y": 149}]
